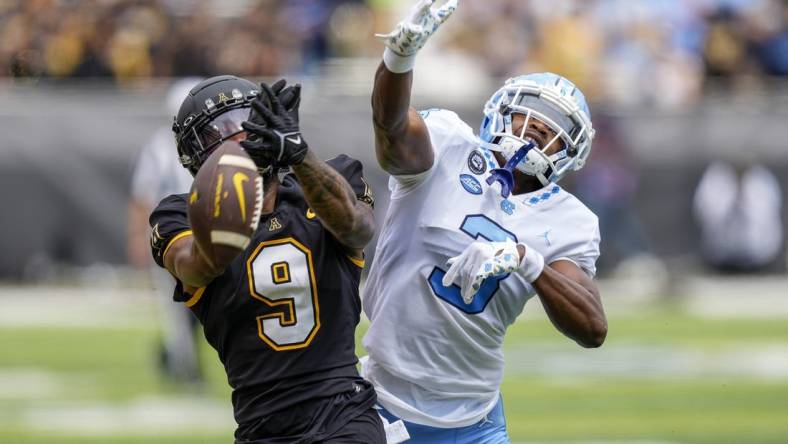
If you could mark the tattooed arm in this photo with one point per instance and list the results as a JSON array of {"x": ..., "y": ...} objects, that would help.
[{"x": 330, "y": 196}]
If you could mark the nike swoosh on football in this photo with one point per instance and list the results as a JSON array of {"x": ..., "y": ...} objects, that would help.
[{"x": 238, "y": 182}]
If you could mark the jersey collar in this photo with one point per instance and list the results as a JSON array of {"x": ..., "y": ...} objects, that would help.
[{"x": 534, "y": 198}]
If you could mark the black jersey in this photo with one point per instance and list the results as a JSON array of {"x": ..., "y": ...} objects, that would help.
[{"x": 283, "y": 315}]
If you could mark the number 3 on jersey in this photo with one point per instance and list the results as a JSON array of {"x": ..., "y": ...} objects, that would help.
[
  {"x": 281, "y": 275},
  {"x": 474, "y": 225}
]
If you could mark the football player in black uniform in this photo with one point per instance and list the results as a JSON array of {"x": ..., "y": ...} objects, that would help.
[{"x": 282, "y": 315}]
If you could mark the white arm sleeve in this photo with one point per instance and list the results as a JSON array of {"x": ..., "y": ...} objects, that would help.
[
  {"x": 147, "y": 172},
  {"x": 158, "y": 172},
  {"x": 584, "y": 250}
]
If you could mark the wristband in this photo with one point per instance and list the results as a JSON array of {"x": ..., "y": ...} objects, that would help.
[
  {"x": 533, "y": 264},
  {"x": 396, "y": 63}
]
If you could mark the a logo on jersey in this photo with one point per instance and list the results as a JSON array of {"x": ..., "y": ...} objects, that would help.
[
  {"x": 476, "y": 163},
  {"x": 310, "y": 214},
  {"x": 507, "y": 206},
  {"x": 274, "y": 225},
  {"x": 156, "y": 240},
  {"x": 470, "y": 184},
  {"x": 367, "y": 197},
  {"x": 546, "y": 237}
]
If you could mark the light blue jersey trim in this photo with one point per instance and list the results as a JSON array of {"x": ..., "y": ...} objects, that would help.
[
  {"x": 536, "y": 199},
  {"x": 543, "y": 196}
]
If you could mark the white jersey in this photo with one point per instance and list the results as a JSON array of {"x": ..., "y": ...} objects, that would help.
[
  {"x": 158, "y": 171},
  {"x": 433, "y": 359}
]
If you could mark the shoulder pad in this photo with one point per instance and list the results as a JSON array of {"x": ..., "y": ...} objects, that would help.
[{"x": 446, "y": 124}]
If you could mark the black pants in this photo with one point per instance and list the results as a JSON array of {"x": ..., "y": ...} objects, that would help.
[
  {"x": 366, "y": 428},
  {"x": 346, "y": 418}
]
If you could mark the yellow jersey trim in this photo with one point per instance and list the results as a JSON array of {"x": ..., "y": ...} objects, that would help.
[
  {"x": 360, "y": 262},
  {"x": 180, "y": 235},
  {"x": 195, "y": 297}
]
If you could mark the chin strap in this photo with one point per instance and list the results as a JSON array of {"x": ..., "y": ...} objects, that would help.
[{"x": 505, "y": 175}]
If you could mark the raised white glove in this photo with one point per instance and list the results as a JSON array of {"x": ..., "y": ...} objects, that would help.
[
  {"x": 478, "y": 262},
  {"x": 411, "y": 34}
]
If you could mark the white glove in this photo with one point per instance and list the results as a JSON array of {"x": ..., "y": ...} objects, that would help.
[
  {"x": 478, "y": 262},
  {"x": 411, "y": 34}
]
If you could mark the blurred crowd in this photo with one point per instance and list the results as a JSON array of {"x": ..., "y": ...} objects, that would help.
[
  {"x": 627, "y": 51},
  {"x": 126, "y": 39},
  {"x": 659, "y": 53},
  {"x": 631, "y": 51}
]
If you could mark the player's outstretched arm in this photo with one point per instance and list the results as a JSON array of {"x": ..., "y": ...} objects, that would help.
[
  {"x": 402, "y": 142},
  {"x": 331, "y": 197},
  {"x": 196, "y": 236},
  {"x": 276, "y": 137}
]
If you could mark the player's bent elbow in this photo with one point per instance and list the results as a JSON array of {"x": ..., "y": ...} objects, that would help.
[
  {"x": 596, "y": 335},
  {"x": 198, "y": 280},
  {"x": 189, "y": 267},
  {"x": 358, "y": 237},
  {"x": 194, "y": 278}
]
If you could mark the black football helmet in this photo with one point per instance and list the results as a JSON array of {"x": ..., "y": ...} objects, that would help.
[{"x": 211, "y": 113}]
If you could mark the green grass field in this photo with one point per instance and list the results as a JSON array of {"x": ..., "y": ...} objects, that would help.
[{"x": 662, "y": 376}]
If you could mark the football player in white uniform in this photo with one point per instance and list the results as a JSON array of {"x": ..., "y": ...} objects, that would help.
[{"x": 477, "y": 225}]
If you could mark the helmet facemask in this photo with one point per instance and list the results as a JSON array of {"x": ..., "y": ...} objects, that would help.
[
  {"x": 550, "y": 105},
  {"x": 201, "y": 141}
]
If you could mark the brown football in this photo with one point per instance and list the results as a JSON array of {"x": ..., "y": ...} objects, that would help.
[{"x": 225, "y": 204}]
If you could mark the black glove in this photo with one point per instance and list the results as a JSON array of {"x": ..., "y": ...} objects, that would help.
[
  {"x": 289, "y": 97},
  {"x": 274, "y": 136}
]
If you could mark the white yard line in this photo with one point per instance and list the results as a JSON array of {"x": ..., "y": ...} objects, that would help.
[
  {"x": 76, "y": 307},
  {"x": 711, "y": 297},
  {"x": 51, "y": 403},
  {"x": 143, "y": 416},
  {"x": 706, "y": 296},
  {"x": 737, "y": 297},
  {"x": 763, "y": 362},
  {"x": 30, "y": 384}
]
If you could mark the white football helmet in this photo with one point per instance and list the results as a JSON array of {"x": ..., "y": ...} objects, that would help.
[{"x": 556, "y": 102}]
